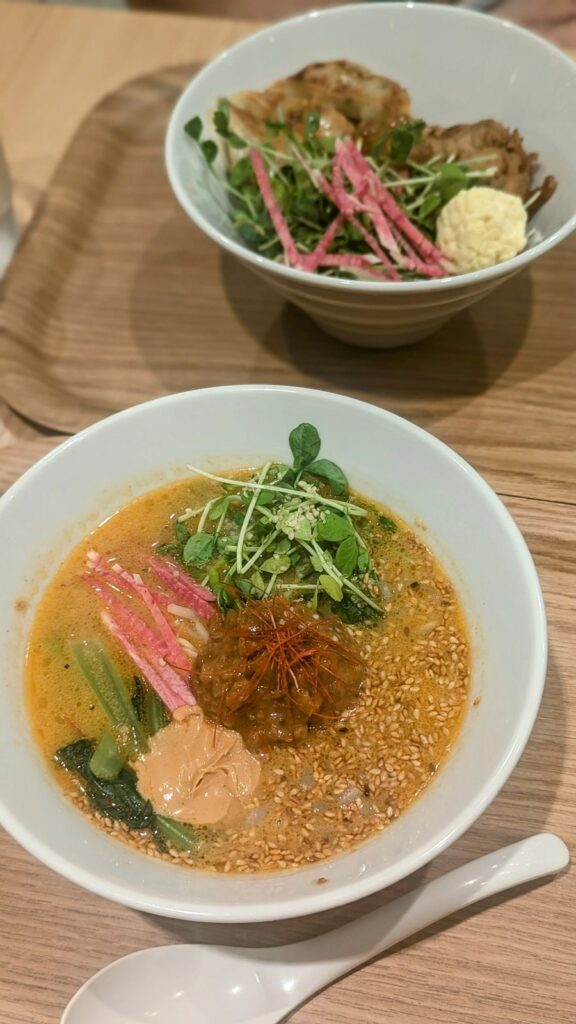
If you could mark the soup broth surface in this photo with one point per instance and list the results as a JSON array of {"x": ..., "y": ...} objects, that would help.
[{"x": 354, "y": 775}]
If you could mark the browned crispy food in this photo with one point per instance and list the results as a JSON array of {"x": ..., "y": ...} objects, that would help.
[
  {"x": 353, "y": 101},
  {"x": 350, "y": 99},
  {"x": 504, "y": 146}
]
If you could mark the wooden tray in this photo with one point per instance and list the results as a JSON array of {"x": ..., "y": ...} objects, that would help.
[{"x": 114, "y": 297}]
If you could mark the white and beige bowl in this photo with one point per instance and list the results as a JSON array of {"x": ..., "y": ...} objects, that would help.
[
  {"x": 458, "y": 66},
  {"x": 54, "y": 505}
]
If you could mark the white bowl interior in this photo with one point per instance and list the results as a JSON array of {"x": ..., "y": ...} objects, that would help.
[
  {"x": 56, "y": 502},
  {"x": 458, "y": 66}
]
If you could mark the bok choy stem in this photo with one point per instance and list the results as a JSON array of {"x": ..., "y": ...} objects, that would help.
[{"x": 110, "y": 692}]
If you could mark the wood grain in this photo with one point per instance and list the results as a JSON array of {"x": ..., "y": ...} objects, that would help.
[{"x": 506, "y": 401}]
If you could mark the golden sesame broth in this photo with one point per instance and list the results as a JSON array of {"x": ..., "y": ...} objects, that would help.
[{"x": 351, "y": 779}]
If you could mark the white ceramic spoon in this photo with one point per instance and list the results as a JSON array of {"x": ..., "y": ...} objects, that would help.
[{"x": 229, "y": 985}]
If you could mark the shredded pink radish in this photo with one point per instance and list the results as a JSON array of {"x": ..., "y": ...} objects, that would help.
[
  {"x": 155, "y": 649},
  {"x": 395, "y": 234},
  {"x": 117, "y": 576},
  {"x": 346, "y": 210},
  {"x": 162, "y": 677},
  {"x": 282, "y": 230},
  {"x": 197, "y": 597},
  {"x": 412, "y": 260},
  {"x": 136, "y": 627},
  {"x": 357, "y": 169},
  {"x": 313, "y": 260}
]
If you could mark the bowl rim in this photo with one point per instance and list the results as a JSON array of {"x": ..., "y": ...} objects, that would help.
[
  {"x": 290, "y": 275},
  {"x": 325, "y": 898}
]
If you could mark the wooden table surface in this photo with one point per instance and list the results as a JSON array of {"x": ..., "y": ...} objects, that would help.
[{"x": 512, "y": 963}]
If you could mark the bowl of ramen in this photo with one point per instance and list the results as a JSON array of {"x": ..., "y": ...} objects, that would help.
[
  {"x": 382, "y": 166},
  {"x": 265, "y": 651}
]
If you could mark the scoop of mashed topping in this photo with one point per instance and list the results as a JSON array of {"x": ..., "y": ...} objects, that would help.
[
  {"x": 196, "y": 771},
  {"x": 480, "y": 227}
]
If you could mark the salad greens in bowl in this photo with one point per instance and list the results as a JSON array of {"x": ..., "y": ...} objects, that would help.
[{"x": 380, "y": 192}]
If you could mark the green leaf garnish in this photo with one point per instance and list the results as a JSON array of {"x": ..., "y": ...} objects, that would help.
[
  {"x": 219, "y": 508},
  {"x": 182, "y": 532},
  {"x": 276, "y": 564},
  {"x": 116, "y": 798},
  {"x": 334, "y": 527},
  {"x": 331, "y": 587},
  {"x": 278, "y": 531},
  {"x": 332, "y": 473},
  {"x": 346, "y": 558},
  {"x": 178, "y": 835},
  {"x": 199, "y": 549},
  {"x": 312, "y": 123},
  {"x": 304, "y": 444},
  {"x": 193, "y": 128},
  {"x": 210, "y": 150}
]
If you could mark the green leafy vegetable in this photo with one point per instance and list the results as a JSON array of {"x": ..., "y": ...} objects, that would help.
[
  {"x": 346, "y": 558},
  {"x": 222, "y": 126},
  {"x": 332, "y": 473},
  {"x": 199, "y": 549},
  {"x": 151, "y": 711},
  {"x": 193, "y": 128},
  {"x": 312, "y": 123},
  {"x": 278, "y": 531},
  {"x": 106, "y": 761},
  {"x": 331, "y": 587},
  {"x": 176, "y": 834},
  {"x": 354, "y": 611},
  {"x": 334, "y": 527},
  {"x": 420, "y": 190},
  {"x": 112, "y": 695},
  {"x": 403, "y": 138},
  {"x": 451, "y": 179},
  {"x": 210, "y": 151},
  {"x": 182, "y": 533},
  {"x": 116, "y": 798},
  {"x": 363, "y": 560},
  {"x": 276, "y": 564},
  {"x": 304, "y": 444},
  {"x": 219, "y": 508}
]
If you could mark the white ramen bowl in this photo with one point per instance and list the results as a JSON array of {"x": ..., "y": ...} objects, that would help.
[
  {"x": 54, "y": 505},
  {"x": 459, "y": 67}
]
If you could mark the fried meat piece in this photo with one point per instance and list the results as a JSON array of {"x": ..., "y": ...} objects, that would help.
[
  {"x": 515, "y": 167},
  {"x": 350, "y": 99}
]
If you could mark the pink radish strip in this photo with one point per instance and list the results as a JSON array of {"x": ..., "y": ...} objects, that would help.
[
  {"x": 163, "y": 678},
  {"x": 196, "y": 589},
  {"x": 358, "y": 169},
  {"x": 324, "y": 185},
  {"x": 412, "y": 260},
  {"x": 280, "y": 225},
  {"x": 173, "y": 651},
  {"x": 134, "y": 625},
  {"x": 382, "y": 226},
  {"x": 312, "y": 262},
  {"x": 351, "y": 203},
  {"x": 191, "y": 593}
]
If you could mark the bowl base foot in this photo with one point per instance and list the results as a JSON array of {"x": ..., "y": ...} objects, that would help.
[{"x": 378, "y": 336}]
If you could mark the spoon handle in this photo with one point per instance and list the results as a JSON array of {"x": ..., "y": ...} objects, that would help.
[{"x": 334, "y": 954}]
